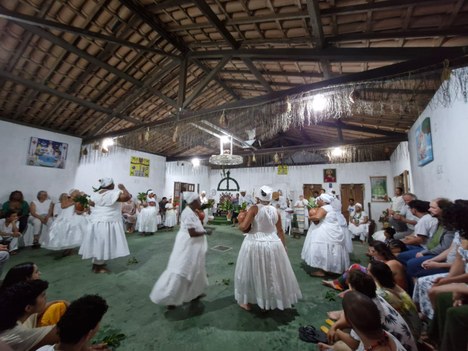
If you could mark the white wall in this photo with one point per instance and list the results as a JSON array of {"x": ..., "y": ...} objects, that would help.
[
  {"x": 400, "y": 161},
  {"x": 185, "y": 172},
  {"x": 447, "y": 174},
  {"x": 116, "y": 164},
  {"x": 16, "y": 175},
  {"x": 291, "y": 184}
]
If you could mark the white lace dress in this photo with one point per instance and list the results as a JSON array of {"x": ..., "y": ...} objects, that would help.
[
  {"x": 264, "y": 275},
  {"x": 105, "y": 235},
  {"x": 325, "y": 245},
  {"x": 67, "y": 231},
  {"x": 185, "y": 276}
]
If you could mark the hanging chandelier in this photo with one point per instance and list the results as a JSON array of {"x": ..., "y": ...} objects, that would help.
[{"x": 225, "y": 157}]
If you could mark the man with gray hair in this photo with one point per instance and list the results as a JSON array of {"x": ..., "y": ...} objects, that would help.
[{"x": 404, "y": 222}]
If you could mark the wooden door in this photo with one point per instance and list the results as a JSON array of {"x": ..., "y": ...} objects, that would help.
[
  {"x": 351, "y": 191},
  {"x": 308, "y": 190}
]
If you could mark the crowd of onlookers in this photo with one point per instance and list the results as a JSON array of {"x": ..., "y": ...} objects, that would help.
[{"x": 417, "y": 278}]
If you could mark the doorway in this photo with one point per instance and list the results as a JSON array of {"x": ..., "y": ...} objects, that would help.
[
  {"x": 309, "y": 189},
  {"x": 351, "y": 191}
]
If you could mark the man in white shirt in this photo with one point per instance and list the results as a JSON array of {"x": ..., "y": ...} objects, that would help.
[
  {"x": 404, "y": 222},
  {"x": 423, "y": 230}
]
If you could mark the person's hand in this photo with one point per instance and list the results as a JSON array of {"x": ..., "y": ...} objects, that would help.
[
  {"x": 419, "y": 254},
  {"x": 3, "y": 247},
  {"x": 397, "y": 217},
  {"x": 458, "y": 299},
  {"x": 121, "y": 187},
  {"x": 208, "y": 231},
  {"x": 430, "y": 264},
  {"x": 16, "y": 235},
  {"x": 439, "y": 281}
]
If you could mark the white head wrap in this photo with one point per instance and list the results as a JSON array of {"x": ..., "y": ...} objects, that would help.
[
  {"x": 150, "y": 192},
  {"x": 190, "y": 197},
  {"x": 265, "y": 193},
  {"x": 326, "y": 198},
  {"x": 105, "y": 182},
  {"x": 357, "y": 204}
]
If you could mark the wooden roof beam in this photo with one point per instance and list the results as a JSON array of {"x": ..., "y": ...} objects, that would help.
[
  {"x": 43, "y": 23},
  {"x": 427, "y": 62},
  {"x": 334, "y": 54},
  {"x": 344, "y": 126},
  {"x": 33, "y": 85}
]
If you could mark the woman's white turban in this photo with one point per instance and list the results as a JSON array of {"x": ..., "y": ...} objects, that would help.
[{"x": 190, "y": 197}]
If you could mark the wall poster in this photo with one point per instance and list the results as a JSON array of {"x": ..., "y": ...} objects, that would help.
[
  {"x": 47, "y": 153},
  {"x": 379, "y": 189},
  {"x": 424, "y": 143},
  {"x": 139, "y": 167}
]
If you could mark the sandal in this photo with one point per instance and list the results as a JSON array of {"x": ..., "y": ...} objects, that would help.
[{"x": 310, "y": 334}]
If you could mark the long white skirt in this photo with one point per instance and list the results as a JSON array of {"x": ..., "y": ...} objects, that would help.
[
  {"x": 104, "y": 241},
  {"x": 66, "y": 233},
  {"x": 171, "y": 219},
  {"x": 147, "y": 220},
  {"x": 324, "y": 248},
  {"x": 264, "y": 275}
]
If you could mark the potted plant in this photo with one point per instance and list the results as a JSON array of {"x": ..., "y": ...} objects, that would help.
[
  {"x": 141, "y": 197},
  {"x": 227, "y": 206}
]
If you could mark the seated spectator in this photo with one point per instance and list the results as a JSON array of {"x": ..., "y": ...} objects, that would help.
[
  {"x": 397, "y": 247},
  {"x": 404, "y": 220},
  {"x": 359, "y": 223},
  {"x": 377, "y": 251},
  {"x": 28, "y": 271},
  {"x": 20, "y": 305},
  {"x": 79, "y": 325},
  {"x": 17, "y": 204},
  {"x": 437, "y": 243},
  {"x": 9, "y": 231},
  {"x": 394, "y": 295},
  {"x": 390, "y": 319},
  {"x": 424, "y": 229},
  {"x": 41, "y": 215},
  {"x": 129, "y": 214},
  {"x": 363, "y": 316},
  {"x": 389, "y": 234}
]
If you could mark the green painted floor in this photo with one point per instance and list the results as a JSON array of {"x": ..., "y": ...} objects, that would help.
[{"x": 214, "y": 323}]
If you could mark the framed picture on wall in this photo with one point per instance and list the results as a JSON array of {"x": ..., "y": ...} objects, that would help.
[
  {"x": 47, "y": 153},
  {"x": 424, "y": 142},
  {"x": 329, "y": 175},
  {"x": 139, "y": 167},
  {"x": 379, "y": 189}
]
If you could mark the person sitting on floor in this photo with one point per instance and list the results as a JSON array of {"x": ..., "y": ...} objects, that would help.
[
  {"x": 363, "y": 316},
  {"x": 28, "y": 271},
  {"x": 17, "y": 204},
  {"x": 359, "y": 223},
  {"x": 21, "y": 305},
  {"x": 79, "y": 325},
  {"x": 390, "y": 319}
]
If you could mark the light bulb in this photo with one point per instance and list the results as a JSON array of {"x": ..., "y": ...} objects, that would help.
[{"x": 319, "y": 103}]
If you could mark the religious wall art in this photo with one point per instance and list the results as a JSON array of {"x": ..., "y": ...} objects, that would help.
[
  {"x": 47, "y": 153},
  {"x": 424, "y": 143},
  {"x": 282, "y": 170},
  {"x": 379, "y": 189},
  {"x": 329, "y": 175},
  {"x": 139, "y": 167}
]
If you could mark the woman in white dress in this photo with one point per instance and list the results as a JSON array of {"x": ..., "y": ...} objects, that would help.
[
  {"x": 185, "y": 276},
  {"x": 303, "y": 203},
  {"x": 68, "y": 229},
  {"x": 147, "y": 221},
  {"x": 264, "y": 275},
  {"x": 359, "y": 223},
  {"x": 171, "y": 218},
  {"x": 336, "y": 204},
  {"x": 105, "y": 236},
  {"x": 324, "y": 247},
  {"x": 41, "y": 216}
]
